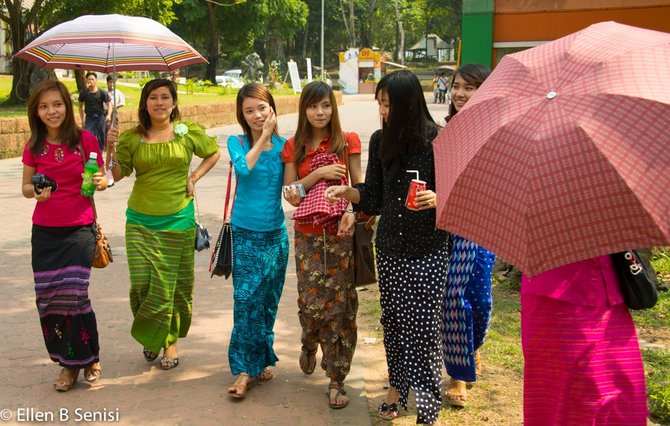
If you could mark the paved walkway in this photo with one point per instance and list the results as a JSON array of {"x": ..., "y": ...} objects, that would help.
[{"x": 130, "y": 390}]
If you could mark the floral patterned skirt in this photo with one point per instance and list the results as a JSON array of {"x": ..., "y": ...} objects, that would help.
[
  {"x": 61, "y": 260},
  {"x": 327, "y": 299}
]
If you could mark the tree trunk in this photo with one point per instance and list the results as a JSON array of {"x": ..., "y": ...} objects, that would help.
[
  {"x": 305, "y": 39},
  {"x": 213, "y": 45},
  {"x": 352, "y": 25},
  {"x": 400, "y": 51},
  {"x": 20, "y": 24},
  {"x": 80, "y": 79}
]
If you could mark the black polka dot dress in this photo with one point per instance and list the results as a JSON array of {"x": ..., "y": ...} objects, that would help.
[{"x": 411, "y": 296}]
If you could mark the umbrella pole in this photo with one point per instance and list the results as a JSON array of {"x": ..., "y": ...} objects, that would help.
[{"x": 113, "y": 123}]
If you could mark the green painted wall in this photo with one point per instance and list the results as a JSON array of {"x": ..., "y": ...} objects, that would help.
[{"x": 477, "y": 35}]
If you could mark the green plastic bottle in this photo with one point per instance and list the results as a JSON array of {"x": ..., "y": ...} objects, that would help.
[{"x": 90, "y": 168}]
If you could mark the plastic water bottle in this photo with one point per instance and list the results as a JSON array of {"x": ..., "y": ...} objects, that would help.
[{"x": 91, "y": 167}]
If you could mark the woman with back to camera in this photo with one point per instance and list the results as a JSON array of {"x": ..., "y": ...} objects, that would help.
[
  {"x": 467, "y": 301},
  {"x": 160, "y": 218},
  {"x": 411, "y": 254},
  {"x": 319, "y": 155},
  {"x": 63, "y": 233},
  {"x": 260, "y": 239}
]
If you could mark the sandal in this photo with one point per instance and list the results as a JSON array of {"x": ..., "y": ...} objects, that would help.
[
  {"x": 457, "y": 395},
  {"x": 308, "y": 360},
  {"x": 265, "y": 375},
  {"x": 92, "y": 372},
  {"x": 66, "y": 379},
  {"x": 332, "y": 403},
  {"x": 239, "y": 388},
  {"x": 168, "y": 363},
  {"x": 387, "y": 412},
  {"x": 148, "y": 355}
]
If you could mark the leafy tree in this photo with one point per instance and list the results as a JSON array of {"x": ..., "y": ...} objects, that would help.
[
  {"x": 21, "y": 21},
  {"x": 26, "y": 23}
]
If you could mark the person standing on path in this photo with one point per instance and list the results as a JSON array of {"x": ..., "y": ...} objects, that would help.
[
  {"x": 468, "y": 301},
  {"x": 96, "y": 103},
  {"x": 118, "y": 100},
  {"x": 63, "y": 232},
  {"x": 260, "y": 238},
  {"x": 412, "y": 255},
  {"x": 327, "y": 300},
  {"x": 160, "y": 219}
]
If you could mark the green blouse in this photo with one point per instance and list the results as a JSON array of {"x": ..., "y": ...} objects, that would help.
[{"x": 162, "y": 168}]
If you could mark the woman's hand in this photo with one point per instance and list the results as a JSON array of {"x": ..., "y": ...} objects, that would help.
[
  {"x": 332, "y": 172},
  {"x": 100, "y": 181},
  {"x": 292, "y": 195},
  {"x": 346, "y": 227},
  {"x": 190, "y": 186},
  {"x": 42, "y": 195},
  {"x": 112, "y": 138},
  {"x": 270, "y": 124},
  {"x": 426, "y": 200},
  {"x": 335, "y": 192}
]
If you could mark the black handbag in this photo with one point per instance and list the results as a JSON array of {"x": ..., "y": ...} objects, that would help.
[
  {"x": 221, "y": 262},
  {"x": 365, "y": 271},
  {"x": 636, "y": 280}
]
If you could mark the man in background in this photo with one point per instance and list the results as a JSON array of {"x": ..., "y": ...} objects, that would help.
[{"x": 96, "y": 103}]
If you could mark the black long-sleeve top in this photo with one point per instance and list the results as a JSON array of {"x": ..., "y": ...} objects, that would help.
[{"x": 401, "y": 232}]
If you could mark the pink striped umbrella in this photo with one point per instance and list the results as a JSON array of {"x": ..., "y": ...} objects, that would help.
[
  {"x": 109, "y": 43},
  {"x": 563, "y": 153}
]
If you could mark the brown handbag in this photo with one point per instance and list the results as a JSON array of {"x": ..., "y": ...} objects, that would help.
[
  {"x": 103, "y": 251},
  {"x": 365, "y": 268}
]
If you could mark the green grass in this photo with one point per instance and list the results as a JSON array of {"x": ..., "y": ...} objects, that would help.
[{"x": 657, "y": 368}]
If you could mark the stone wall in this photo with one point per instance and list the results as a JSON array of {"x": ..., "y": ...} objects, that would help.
[{"x": 14, "y": 131}]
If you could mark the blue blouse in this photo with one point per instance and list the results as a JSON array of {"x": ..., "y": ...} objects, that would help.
[{"x": 258, "y": 205}]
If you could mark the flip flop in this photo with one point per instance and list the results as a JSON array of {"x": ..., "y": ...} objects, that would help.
[
  {"x": 387, "y": 412},
  {"x": 168, "y": 363}
]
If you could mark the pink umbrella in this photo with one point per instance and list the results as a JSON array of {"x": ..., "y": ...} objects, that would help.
[{"x": 564, "y": 152}]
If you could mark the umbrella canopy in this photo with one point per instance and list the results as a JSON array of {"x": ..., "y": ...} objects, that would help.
[
  {"x": 110, "y": 43},
  {"x": 564, "y": 152}
]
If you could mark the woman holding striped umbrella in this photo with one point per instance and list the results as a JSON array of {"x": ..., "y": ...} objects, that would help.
[{"x": 160, "y": 219}]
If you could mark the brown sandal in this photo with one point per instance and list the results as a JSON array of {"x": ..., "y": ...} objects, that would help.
[
  {"x": 457, "y": 395},
  {"x": 239, "y": 389},
  {"x": 92, "y": 372},
  {"x": 308, "y": 360},
  {"x": 332, "y": 403},
  {"x": 266, "y": 375},
  {"x": 66, "y": 379}
]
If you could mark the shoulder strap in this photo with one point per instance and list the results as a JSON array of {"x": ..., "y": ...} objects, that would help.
[{"x": 226, "y": 212}]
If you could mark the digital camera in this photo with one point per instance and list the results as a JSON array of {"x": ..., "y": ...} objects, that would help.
[{"x": 41, "y": 181}]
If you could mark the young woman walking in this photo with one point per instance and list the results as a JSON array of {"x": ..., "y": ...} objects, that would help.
[
  {"x": 411, "y": 254},
  {"x": 63, "y": 233},
  {"x": 315, "y": 158},
  {"x": 260, "y": 239}
]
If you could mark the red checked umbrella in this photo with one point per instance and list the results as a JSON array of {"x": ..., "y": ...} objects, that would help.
[{"x": 564, "y": 152}]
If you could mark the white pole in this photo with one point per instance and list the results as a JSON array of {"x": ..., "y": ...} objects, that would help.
[{"x": 322, "y": 69}]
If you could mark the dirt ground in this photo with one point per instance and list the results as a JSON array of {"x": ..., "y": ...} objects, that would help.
[{"x": 496, "y": 399}]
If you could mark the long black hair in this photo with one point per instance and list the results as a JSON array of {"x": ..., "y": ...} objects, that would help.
[{"x": 407, "y": 127}]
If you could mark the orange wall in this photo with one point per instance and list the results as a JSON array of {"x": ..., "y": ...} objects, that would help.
[
  {"x": 514, "y": 6},
  {"x": 553, "y": 24}
]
